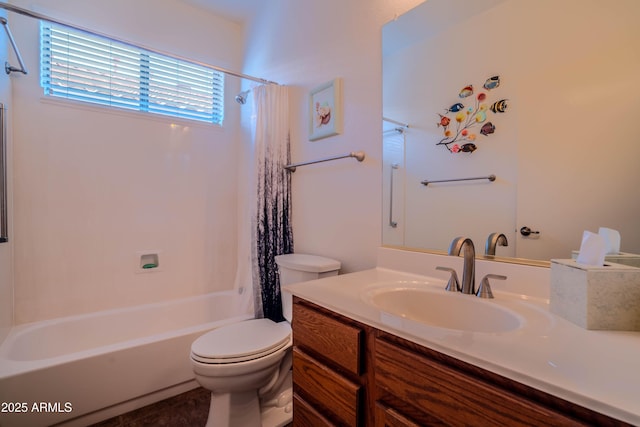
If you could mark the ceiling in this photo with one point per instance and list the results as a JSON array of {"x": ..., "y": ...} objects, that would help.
[{"x": 236, "y": 10}]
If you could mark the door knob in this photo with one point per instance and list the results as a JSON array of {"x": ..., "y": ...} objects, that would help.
[{"x": 526, "y": 231}]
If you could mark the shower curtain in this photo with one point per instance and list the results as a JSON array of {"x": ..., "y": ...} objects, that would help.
[{"x": 272, "y": 221}]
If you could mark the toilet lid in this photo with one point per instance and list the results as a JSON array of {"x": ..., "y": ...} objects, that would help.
[
  {"x": 307, "y": 263},
  {"x": 241, "y": 341}
]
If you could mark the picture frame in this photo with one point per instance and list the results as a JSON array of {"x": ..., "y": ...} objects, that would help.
[{"x": 325, "y": 110}]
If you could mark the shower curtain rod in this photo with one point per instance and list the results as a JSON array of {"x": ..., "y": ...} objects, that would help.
[{"x": 26, "y": 12}]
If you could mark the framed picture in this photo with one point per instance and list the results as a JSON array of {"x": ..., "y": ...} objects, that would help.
[{"x": 325, "y": 110}]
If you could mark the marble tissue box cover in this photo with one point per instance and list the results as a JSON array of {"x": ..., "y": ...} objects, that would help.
[{"x": 602, "y": 298}]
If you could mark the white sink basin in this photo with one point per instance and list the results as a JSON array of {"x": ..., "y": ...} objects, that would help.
[{"x": 439, "y": 308}]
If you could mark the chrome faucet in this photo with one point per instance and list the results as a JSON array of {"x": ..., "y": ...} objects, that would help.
[
  {"x": 468, "y": 272},
  {"x": 494, "y": 240}
]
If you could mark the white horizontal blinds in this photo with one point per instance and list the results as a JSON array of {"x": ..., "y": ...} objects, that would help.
[
  {"x": 84, "y": 67},
  {"x": 185, "y": 90}
]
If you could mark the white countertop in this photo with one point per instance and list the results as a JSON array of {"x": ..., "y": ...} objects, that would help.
[{"x": 599, "y": 370}]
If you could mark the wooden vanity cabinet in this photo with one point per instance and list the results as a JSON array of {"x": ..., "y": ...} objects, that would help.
[{"x": 347, "y": 373}]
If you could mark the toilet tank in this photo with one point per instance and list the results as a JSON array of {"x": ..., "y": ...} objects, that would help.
[{"x": 294, "y": 268}]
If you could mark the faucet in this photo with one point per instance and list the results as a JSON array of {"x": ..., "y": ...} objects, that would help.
[
  {"x": 494, "y": 240},
  {"x": 468, "y": 273}
]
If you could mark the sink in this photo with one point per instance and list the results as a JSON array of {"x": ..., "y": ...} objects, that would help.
[{"x": 438, "y": 308}]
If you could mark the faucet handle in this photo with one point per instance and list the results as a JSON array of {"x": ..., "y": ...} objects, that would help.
[
  {"x": 452, "y": 285},
  {"x": 484, "y": 290}
]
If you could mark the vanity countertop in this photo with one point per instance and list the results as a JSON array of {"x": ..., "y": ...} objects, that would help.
[{"x": 599, "y": 370}]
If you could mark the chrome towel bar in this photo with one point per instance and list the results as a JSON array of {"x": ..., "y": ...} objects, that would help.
[
  {"x": 4, "y": 230},
  {"x": 358, "y": 155},
  {"x": 490, "y": 178},
  {"x": 392, "y": 223}
]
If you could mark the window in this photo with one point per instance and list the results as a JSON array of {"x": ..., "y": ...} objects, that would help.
[{"x": 85, "y": 67}]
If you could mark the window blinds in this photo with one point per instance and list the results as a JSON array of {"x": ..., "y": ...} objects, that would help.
[{"x": 89, "y": 68}]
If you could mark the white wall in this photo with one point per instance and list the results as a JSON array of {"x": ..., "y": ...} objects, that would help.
[
  {"x": 577, "y": 131},
  {"x": 93, "y": 187},
  {"x": 6, "y": 261},
  {"x": 336, "y": 205}
]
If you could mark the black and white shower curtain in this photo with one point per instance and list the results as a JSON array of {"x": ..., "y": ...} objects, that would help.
[{"x": 272, "y": 222}]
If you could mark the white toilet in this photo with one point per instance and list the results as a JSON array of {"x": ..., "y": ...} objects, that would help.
[{"x": 247, "y": 365}]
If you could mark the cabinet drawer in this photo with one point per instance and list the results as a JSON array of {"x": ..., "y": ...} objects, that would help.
[
  {"x": 317, "y": 383},
  {"x": 451, "y": 396},
  {"x": 332, "y": 339},
  {"x": 306, "y": 415}
]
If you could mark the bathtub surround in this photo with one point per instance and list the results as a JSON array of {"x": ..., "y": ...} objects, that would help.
[
  {"x": 272, "y": 225},
  {"x": 95, "y": 187}
]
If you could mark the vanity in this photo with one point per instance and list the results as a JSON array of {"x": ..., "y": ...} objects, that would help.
[{"x": 366, "y": 354}]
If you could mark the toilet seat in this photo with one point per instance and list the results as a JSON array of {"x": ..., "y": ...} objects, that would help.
[{"x": 240, "y": 342}]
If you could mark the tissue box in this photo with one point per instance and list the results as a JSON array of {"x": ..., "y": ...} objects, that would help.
[
  {"x": 603, "y": 298},
  {"x": 625, "y": 258}
]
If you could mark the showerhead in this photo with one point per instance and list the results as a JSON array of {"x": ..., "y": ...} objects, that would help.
[{"x": 241, "y": 98}]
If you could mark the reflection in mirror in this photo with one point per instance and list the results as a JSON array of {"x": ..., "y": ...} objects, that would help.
[{"x": 564, "y": 151}]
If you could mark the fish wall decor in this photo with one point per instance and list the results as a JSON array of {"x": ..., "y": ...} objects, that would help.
[{"x": 459, "y": 130}]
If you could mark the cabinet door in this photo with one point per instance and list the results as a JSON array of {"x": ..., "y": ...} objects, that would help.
[
  {"x": 389, "y": 417},
  {"x": 328, "y": 392},
  {"x": 306, "y": 415},
  {"x": 452, "y": 396}
]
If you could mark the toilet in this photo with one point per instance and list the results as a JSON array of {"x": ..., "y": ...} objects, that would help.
[{"x": 247, "y": 365}]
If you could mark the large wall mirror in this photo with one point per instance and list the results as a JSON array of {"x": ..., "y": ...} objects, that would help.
[{"x": 565, "y": 150}]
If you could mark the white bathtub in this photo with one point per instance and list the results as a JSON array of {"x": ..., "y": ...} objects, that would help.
[{"x": 83, "y": 369}]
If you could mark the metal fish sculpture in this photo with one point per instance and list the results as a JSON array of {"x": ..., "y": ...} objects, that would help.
[
  {"x": 468, "y": 148},
  {"x": 499, "y": 106},
  {"x": 492, "y": 82},
  {"x": 455, "y": 108},
  {"x": 487, "y": 129},
  {"x": 444, "y": 121},
  {"x": 466, "y": 91}
]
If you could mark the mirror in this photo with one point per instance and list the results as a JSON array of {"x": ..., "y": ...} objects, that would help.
[{"x": 564, "y": 151}]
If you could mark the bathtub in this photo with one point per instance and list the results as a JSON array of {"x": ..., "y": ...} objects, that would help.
[{"x": 83, "y": 369}]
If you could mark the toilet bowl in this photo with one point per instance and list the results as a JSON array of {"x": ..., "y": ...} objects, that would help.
[{"x": 247, "y": 365}]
